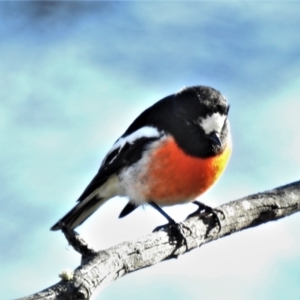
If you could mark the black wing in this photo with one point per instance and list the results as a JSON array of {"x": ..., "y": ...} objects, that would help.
[
  {"x": 158, "y": 116},
  {"x": 117, "y": 159}
]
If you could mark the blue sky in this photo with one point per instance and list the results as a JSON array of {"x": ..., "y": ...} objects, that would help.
[{"x": 73, "y": 76}]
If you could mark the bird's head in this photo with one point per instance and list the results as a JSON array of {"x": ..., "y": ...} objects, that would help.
[{"x": 205, "y": 111}]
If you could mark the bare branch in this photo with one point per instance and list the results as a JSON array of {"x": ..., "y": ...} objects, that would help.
[
  {"x": 77, "y": 242},
  {"x": 103, "y": 267}
]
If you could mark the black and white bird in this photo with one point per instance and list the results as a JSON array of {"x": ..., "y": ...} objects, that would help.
[{"x": 172, "y": 153}]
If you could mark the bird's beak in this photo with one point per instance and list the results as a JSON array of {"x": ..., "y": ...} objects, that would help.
[{"x": 215, "y": 137}]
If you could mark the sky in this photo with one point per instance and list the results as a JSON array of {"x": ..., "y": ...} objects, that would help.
[{"x": 73, "y": 75}]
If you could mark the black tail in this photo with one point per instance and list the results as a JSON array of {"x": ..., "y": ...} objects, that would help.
[{"x": 79, "y": 213}]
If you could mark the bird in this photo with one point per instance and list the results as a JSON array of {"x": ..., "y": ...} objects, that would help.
[{"x": 171, "y": 154}]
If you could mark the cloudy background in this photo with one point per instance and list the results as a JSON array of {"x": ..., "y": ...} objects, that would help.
[{"x": 72, "y": 77}]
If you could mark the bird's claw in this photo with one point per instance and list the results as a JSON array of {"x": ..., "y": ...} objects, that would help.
[
  {"x": 209, "y": 210},
  {"x": 177, "y": 232}
]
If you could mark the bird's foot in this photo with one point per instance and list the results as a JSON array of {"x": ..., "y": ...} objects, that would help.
[
  {"x": 177, "y": 232},
  {"x": 205, "y": 208}
]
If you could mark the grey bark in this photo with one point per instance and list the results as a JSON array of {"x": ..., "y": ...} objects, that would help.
[{"x": 103, "y": 267}]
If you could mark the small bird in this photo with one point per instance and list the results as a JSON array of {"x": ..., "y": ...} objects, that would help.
[{"x": 172, "y": 153}]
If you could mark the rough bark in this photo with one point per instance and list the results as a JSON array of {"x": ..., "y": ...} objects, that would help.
[{"x": 105, "y": 266}]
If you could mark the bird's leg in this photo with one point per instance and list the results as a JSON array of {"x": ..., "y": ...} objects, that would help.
[
  {"x": 207, "y": 209},
  {"x": 175, "y": 227}
]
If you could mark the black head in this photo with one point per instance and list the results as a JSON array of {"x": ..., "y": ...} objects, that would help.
[
  {"x": 196, "y": 117},
  {"x": 203, "y": 111}
]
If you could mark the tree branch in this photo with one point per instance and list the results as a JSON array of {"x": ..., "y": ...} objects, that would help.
[{"x": 103, "y": 267}]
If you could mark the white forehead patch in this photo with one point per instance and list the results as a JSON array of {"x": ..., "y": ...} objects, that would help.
[{"x": 213, "y": 123}]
